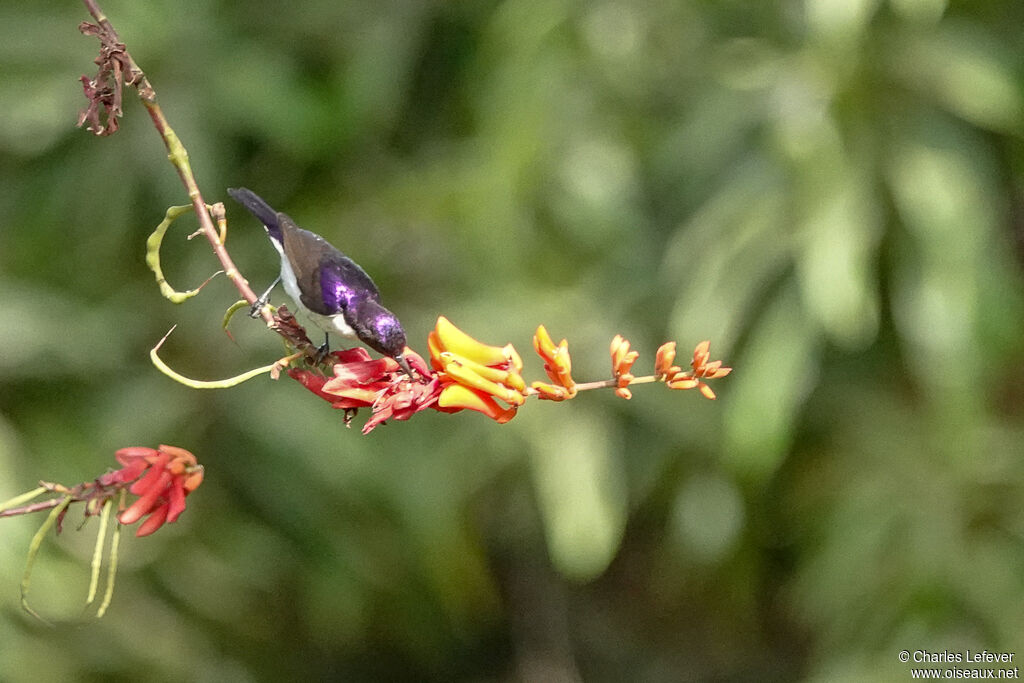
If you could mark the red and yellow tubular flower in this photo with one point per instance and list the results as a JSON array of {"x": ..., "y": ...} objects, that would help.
[{"x": 472, "y": 374}]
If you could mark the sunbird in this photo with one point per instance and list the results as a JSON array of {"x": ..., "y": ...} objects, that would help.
[{"x": 328, "y": 286}]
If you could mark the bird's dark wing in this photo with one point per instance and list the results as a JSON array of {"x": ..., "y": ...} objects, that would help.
[
  {"x": 342, "y": 284},
  {"x": 258, "y": 207}
]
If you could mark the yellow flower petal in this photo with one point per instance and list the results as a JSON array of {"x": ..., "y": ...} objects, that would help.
[
  {"x": 513, "y": 357},
  {"x": 436, "y": 349},
  {"x": 542, "y": 343},
  {"x": 465, "y": 376},
  {"x": 509, "y": 378},
  {"x": 557, "y": 361},
  {"x": 455, "y": 340},
  {"x": 459, "y": 396}
]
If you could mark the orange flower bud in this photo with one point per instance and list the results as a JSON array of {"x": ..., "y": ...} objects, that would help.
[
  {"x": 701, "y": 355},
  {"x": 622, "y": 357},
  {"x": 557, "y": 361},
  {"x": 663, "y": 360},
  {"x": 550, "y": 392},
  {"x": 542, "y": 342},
  {"x": 613, "y": 348},
  {"x": 194, "y": 479}
]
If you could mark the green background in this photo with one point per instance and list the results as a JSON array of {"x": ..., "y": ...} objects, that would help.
[{"x": 831, "y": 191}]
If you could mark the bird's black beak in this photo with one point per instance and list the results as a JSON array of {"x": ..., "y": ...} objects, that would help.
[{"x": 400, "y": 358}]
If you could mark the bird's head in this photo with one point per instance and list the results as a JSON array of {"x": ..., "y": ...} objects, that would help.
[{"x": 379, "y": 329}]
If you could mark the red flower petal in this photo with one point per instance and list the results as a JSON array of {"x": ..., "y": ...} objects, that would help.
[
  {"x": 130, "y": 472},
  {"x": 355, "y": 354},
  {"x": 313, "y": 381},
  {"x": 356, "y": 397},
  {"x": 151, "y": 479},
  {"x": 148, "y": 499},
  {"x": 153, "y": 522},
  {"x": 378, "y": 417},
  {"x": 359, "y": 372},
  {"x": 417, "y": 363},
  {"x": 176, "y": 498},
  {"x": 178, "y": 455},
  {"x": 133, "y": 454}
]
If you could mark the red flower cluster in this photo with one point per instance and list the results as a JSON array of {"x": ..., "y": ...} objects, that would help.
[
  {"x": 361, "y": 382},
  {"x": 162, "y": 478}
]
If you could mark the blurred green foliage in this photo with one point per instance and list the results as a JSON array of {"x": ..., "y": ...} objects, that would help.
[{"x": 829, "y": 190}]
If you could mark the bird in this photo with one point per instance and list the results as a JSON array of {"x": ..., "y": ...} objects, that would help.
[{"x": 329, "y": 287}]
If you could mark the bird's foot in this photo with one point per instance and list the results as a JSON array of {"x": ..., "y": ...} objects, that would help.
[
  {"x": 321, "y": 353},
  {"x": 257, "y": 307}
]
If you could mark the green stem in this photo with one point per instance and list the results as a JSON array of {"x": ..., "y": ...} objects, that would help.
[
  {"x": 153, "y": 257},
  {"x": 33, "y": 551},
  {"x": 97, "y": 553},
  {"x": 115, "y": 541},
  {"x": 23, "y": 498},
  {"x": 216, "y": 384}
]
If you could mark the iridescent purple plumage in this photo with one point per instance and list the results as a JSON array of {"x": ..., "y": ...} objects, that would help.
[{"x": 343, "y": 285}]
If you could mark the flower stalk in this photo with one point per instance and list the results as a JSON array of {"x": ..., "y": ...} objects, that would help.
[{"x": 467, "y": 374}]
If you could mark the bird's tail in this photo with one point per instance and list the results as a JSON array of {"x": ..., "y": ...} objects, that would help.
[{"x": 258, "y": 207}]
